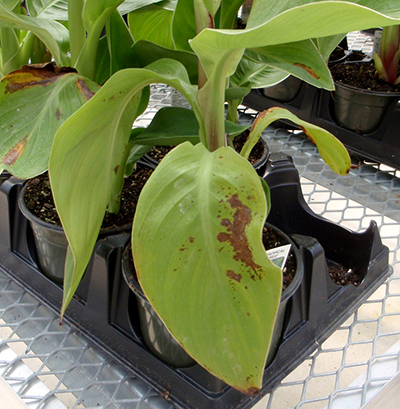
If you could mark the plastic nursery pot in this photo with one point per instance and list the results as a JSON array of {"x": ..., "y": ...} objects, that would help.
[
  {"x": 287, "y": 293},
  {"x": 285, "y": 91},
  {"x": 50, "y": 242},
  {"x": 160, "y": 341},
  {"x": 257, "y": 164},
  {"x": 360, "y": 110},
  {"x": 155, "y": 335}
]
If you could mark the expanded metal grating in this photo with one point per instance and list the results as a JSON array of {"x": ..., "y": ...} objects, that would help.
[{"x": 55, "y": 367}]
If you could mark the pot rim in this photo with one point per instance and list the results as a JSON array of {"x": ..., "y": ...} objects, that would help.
[
  {"x": 384, "y": 94},
  {"x": 32, "y": 218}
]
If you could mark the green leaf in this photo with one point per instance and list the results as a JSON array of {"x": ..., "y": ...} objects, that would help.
[
  {"x": 44, "y": 98},
  {"x": 229, "y": 13},
  {"x": 332, "y": 151},
  {"x": 301, "y": 59},
  {"x": 144, "y": 53},
  {"x": 49, "y": 9},
  {"x": 212, "y": 6},
  {"x": 209, "y": 278},
  {"x": 97, "y": 12},
  {"x": 119, "y": 42},
  {"x": 236, "y": 93},
  {"x": 95, "y": 143},
  {"x": 327, "y": 45},
  {"x": 130, "y": 5},
  {"x": 256, "y": 75},
  {"x": 312, "y": 20},
  {"x": 183, "y": 25},
  {"x": 52, "y": 33},
  {"x": 173, "y": 125},
  {"x": 153, "y": 24}
]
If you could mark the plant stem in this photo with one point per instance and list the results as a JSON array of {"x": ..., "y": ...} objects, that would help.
[{"x": 203, "y": 20}]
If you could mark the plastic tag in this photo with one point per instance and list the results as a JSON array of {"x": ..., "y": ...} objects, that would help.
[{"x": 279, "y": 255}]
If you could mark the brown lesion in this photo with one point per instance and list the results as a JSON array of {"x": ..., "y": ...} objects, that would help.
[
  {"x": 236, "y": 235},
  {"x": 13, "y": 154},
  {"x": 34, "y": 75},
  {"x": 84, "y": 89},
  {"x": 233, "y": 276},
  {"x": 308, "y": 69}
]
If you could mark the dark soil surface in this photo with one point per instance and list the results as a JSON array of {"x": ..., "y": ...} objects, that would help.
[
  {"x": 361, "y": 75},
  {"x": 39, "y": 199},
  {"x": 158, "y": 152},
  {"x": 341, "y": 275}
]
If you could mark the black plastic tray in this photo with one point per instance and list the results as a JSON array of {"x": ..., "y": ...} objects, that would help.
[
  {"x": 105, "y": 309},
  {"x": 316, "y": 106}
]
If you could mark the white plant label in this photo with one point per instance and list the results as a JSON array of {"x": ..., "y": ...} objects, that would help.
[{"x": 279, "y": 255}]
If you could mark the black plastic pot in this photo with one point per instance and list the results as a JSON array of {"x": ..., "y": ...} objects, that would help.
[
  {"x": 285, "y": 91},
  {"x": 359, "y": 110},
  {"x": 317, "y": 106},
  {"x": 258, "y": 166},
  {"x": 50, "y": 242},
  {"x": 160, "y": 341},
  {"x": 155, "y": 334},
  {"x": 106, "y": 310}
]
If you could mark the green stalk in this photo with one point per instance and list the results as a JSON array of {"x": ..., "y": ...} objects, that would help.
[
  {"x": 212, "y": 100},
  {"x": 77, "y": 32},
  {"x": 203, "y": 20},
  {"x": 232, "y": 113}
]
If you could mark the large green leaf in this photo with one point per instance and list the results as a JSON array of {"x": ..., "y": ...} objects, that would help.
[
  {"x": 50, "y": 9},
  {"x": 173, "y": 125},
  {"x": 199, "y": 258},
  {"x": 119, "y": 42},
  {"x": 183, "y": 25},
  {"x": 95, "y": 144},
  {"x": 34, "y": 103},
  {"x": 313, "y": 20},
  {"x": 301, "y": 59},
  {"x": 144, "y": 53},
  {"x": 256, "y": 75},
  {"x": 130, "y": 5},
  {"x": 52, "y": 33},
  {"x": 152, "y": 23}
]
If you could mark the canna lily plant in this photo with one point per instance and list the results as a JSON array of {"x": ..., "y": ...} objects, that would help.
[
  {"x": 196, "y": 234},
  {"x": 56, "y": 53},
  {"x": 387, "y": 60}
]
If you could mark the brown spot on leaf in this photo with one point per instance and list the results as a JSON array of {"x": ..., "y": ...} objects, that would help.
[
  {"x": 236, "y": 235},
  {"x": 233, "y": 276},
  {"x": 308, "y": 69},
  {"x": 34, "y": 75},
  {"x": 191, "y": 239},
  {"x": 116, "y": 169},
  {"x": 11, "y": 157},
  {"x": 309, "y": 136},
  {"x": 58, "y": 114},
  {"x": 253, "y": 391},
  {"x": 84, "y": 89}
]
